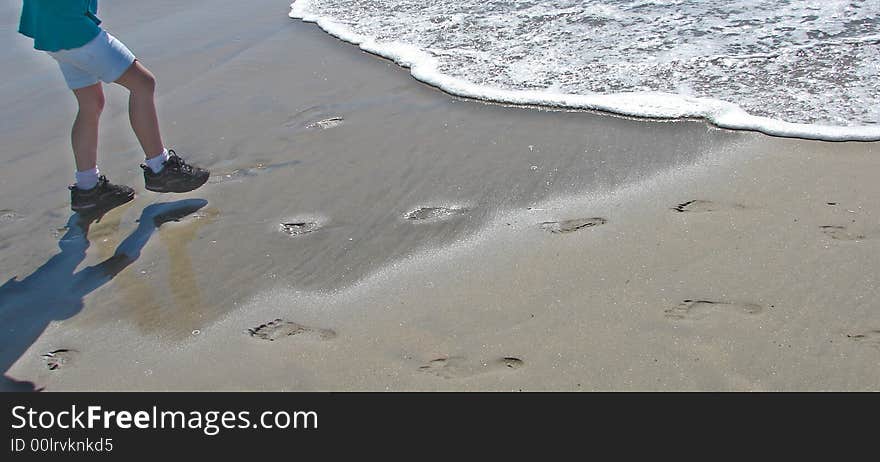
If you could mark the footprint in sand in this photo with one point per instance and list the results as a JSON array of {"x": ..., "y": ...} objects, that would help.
[
  {"x": 324, "y": 124},
  {"x": 315, "y": 117},
  {"x": 59, "y": 358},
  {"x": 298, "y": 228},
  {"x": 842, "y": 233},
  {"x": 700, "y": 206},
  {"x": 569, "y": 226},
  {"x": 8, "y": 216},
  {"x": 870, "y": 338},
  {"x": 280, "y": 328},
  {"x": 239, "y": 174},
  {"x": 434, "y": 213},
  {"x": 699, "y": 309},
  {"x": 457, "y": 367}
]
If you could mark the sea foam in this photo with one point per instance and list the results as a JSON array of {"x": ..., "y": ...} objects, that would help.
[{"x": 793, "y": 69}]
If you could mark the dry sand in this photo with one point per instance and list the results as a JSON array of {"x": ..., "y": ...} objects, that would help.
[{"x": 431, "y": 243}]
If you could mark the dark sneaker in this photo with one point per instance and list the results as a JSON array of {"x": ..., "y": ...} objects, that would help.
[
  {"x": 101, "y": 198},
  {"x": 176, "y": 176}
]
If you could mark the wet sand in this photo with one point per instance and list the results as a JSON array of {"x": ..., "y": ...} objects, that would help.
[{"x": 363, "y": 231}]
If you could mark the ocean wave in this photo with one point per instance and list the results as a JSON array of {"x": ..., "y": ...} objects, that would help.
[{"x": 466, "y": 49}]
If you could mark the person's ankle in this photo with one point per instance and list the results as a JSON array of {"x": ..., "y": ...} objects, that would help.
[
  {"x": 156, "y": 163},
  {"x": 87, "y": 179}
]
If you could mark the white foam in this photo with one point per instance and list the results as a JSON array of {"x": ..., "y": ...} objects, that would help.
[{"x": 428, "y": 65}]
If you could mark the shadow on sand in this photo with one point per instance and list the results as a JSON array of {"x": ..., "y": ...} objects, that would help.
[{"x": 55, "y": 290}]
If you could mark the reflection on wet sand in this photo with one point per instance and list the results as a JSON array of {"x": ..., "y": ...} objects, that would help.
[
  {"x": 188, "y": 306},
  {"x": 147, "y": 301},
  {"x": 55, "y": 291}
]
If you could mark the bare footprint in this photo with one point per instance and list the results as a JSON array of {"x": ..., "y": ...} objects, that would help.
[
  {"x": 298, "y": 228},
  {"x": 870, "y": 338},
  {"x": 701, "y": 206},
  {"x": 279, "y": 328},
  {"x": 7, "y": 216},
  {"x": 569, "y": 226},
  {"x": 324, "y": 124},
  {"x": 434, "y": 213},
  {"x": 699, "y": 309},
  {"x": 842, "y": 233},
  {"x": 457, "y": 367},
  {"x": 59, "y": 358}
]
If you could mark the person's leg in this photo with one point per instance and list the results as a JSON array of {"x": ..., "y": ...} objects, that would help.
[
  {"x": 164, "y": 170},
  {"x": 84, "y": 135},
  {"x": 92, "y": 193},
  {"x": 142, "y": 108}
]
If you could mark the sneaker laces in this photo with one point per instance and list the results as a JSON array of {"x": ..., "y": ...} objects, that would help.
[
  {"x": 174, "y": 161},
  {"x": 104, "y": 183}
]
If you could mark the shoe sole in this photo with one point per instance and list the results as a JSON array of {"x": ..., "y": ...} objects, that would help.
[{"x": 176, "y": 190}]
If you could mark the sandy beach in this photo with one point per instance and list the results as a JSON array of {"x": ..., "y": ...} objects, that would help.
[{"x": 364, "y": 231}]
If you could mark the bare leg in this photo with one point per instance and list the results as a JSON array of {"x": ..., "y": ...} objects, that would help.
[
  {"x": 142, "y": 108},
  {"x": 84, "y": 136}
]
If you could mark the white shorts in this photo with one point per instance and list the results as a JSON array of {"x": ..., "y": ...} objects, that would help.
[{"x": 102, "y": 59}]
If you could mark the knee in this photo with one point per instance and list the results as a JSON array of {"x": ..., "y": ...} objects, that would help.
[
  {"x": 146, "y": 83},
  {"x": 92, "y": 104}
]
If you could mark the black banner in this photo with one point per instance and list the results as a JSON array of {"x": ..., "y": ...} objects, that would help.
[{"x": 136, "y": 425}]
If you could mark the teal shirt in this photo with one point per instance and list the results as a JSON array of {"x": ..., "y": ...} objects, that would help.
[{"x": 59, "y": 24}]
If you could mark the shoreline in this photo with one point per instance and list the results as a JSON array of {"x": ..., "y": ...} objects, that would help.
[
  {"x": 722, "y": 114},
  {"x": 373, "y": 233}
]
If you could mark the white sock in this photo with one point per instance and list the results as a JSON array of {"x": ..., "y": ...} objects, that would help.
[
  {"x": 87, "y": 179},
  {"x": 157, "y": 163}
]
